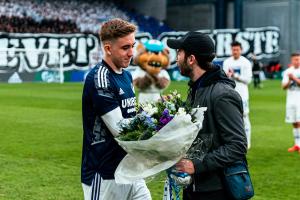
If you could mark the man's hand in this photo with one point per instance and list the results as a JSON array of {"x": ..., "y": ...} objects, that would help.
[
  {"x": 230, "y": 73},
  {"x": 291, "y": 77},
  {"x": 185, "y": 165}
]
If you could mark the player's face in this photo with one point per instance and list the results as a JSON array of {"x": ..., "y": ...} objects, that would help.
[
  {"x": 185, "y": 70},
  {"x": 236, "y": 51},
  {"x": 295, "y": 61},
  {"x": 122, "y": 51}
]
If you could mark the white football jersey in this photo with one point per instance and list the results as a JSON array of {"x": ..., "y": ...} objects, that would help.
[
  {"x": 293, "y": 92},
  {"x": 243, "y": 70}
]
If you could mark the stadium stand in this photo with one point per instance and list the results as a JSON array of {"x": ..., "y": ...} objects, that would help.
[
  {"x": 39, "y": 16},
  {"x": 148, "y": 24},
  {"x": 15, "y": 24}
]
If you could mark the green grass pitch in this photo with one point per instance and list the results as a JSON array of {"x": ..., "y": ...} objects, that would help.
[{"x": 41, "y": 138}]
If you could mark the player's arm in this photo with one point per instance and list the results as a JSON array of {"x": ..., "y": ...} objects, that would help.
[
  {"x": 246, "y": 74},
  {"x": 227, "y": 69},
  {"x": 294, "y": 78},
  {"x": 106, "y": 104},
  {"x": 111, "y": 114},
  {"x": 109, "y": 111},
  {"x": 112, "y": 120},
  {"x": 286, "y": 81},
  {"x": 286, "y": 85}
]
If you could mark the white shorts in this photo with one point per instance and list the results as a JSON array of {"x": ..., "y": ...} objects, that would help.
[
  {"x": 110, "y": 190},
  {"x": 292, "y": 113}
]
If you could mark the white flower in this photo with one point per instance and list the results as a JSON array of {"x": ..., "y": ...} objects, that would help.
[
  {"x": 148, "y": 108},
  {"x": 181, "y": 111},
  {"x": 175, "y": 92}
]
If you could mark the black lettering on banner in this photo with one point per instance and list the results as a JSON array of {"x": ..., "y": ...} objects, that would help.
[
  {"x": 264, "y": 42},
  {"x": 78, "y": 51}
]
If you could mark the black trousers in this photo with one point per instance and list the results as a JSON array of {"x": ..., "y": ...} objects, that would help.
[
  {"x": 213, "y": 195},
  {"x": 256, "y": 80}
]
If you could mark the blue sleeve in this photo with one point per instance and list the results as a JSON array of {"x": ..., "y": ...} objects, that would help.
[{"x": 104, "y": 95}]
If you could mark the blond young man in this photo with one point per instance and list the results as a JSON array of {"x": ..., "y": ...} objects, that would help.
[{"x": 108, "y": 97}]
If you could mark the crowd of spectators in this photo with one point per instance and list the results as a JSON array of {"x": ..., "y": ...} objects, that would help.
[
  {"x": 87, "y": 15},
  {"x": 15, "y": 24},
  {"x": 55, "y": 16}
]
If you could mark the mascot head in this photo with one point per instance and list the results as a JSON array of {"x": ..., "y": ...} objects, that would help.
[{"x": 152, "y": 56}]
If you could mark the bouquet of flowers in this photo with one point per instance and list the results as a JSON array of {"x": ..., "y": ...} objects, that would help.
[{"x": 157, "y": 137}]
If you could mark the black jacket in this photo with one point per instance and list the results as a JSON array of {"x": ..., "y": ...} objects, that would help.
[{"x": 222, "y": 140}]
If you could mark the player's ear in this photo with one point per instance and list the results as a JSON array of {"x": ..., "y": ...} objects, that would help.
[{"x": 107, "y": 48}]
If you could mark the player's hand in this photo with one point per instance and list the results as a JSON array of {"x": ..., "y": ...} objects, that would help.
[
  {"x": 230, "y": 73},
  {"x": 185, "y": 165},
  {"x": 236, "y": 76},
  {"x": 291, "y": 76}
]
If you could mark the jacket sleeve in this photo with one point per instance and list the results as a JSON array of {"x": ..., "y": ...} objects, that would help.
[{"x": 229, "y": 120}]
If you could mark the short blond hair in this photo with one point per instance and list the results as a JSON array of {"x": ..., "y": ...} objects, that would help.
[{"x": 116, "y": 28}]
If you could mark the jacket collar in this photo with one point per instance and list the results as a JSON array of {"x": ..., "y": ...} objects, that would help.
[{"x": 216, "y": 74}]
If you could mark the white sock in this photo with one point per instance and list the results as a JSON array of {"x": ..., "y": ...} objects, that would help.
[
  {"x": 297, "y": 136},
  {"x": 247, "y": 130}
]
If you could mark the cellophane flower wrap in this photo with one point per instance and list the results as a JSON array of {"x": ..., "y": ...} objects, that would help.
[{"x": 157, "y": 137}]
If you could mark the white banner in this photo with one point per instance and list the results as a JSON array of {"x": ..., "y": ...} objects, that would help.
[
  {"x": 263, "y": 42},
  {"x": 78, "y": 51},
  {"x": 82, "y": 51}
]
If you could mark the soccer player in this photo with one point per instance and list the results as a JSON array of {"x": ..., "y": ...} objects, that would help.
[
  {"x": 239, "y": 69},
  {"x": 108, "y": 97},
  {"x": 291, "y": 83}
]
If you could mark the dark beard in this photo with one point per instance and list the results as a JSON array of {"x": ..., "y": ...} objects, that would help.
[{"x": 185, "y": 70}]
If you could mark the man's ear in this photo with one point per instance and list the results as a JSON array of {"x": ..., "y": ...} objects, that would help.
[
  {"x": 192, "y": 59},
  {"x": 107, "y": 48}
]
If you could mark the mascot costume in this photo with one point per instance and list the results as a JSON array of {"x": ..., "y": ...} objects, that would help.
[{"x": 151, "y": 78}]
